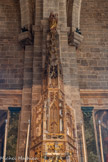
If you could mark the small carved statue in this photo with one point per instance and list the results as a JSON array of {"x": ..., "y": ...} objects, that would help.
[{"x": 53, "y": 21}]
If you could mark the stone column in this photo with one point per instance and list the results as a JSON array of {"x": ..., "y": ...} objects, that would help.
[
  {"x": 70, "y": 70},
  {"x": 26, "y": 100}
]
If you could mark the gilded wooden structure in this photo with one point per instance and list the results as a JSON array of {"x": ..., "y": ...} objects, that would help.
[{"x": 53, "y": 135}]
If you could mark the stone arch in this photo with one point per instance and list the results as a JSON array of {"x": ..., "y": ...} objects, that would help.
[
  {"x": 27, "y": 13},
  {"x": 73, "y": 13},
  {"x": 76, "y": 14},
  {"x": 69, "y": 9}
]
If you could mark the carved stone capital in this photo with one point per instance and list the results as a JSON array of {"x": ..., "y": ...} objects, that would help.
[
  {"x": 75, "y": 39},
  {"x": 64, "y": 29},
  {"x": 25, "y": 38},
  {"x": 44, "y": 24},
  {"x": 36, "y": 28}
]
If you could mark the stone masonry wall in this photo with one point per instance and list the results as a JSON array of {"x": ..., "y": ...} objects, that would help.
[
  {"x": 94, "y": 98},
  {"x": 10, "y": 98},
  {"x": 21, "y": 68},
  {"x": 26, "y": 99},
  {"x": 11, "y": 53},
  {"x": 92, "y": 55}
]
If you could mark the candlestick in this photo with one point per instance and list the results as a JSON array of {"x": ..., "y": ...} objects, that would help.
[
  {"x": 84, "y": 144},
  {"x": 27, "y": 142},
  {"x": 5, "y": 142},
  {"x": 101, "y": 144}
]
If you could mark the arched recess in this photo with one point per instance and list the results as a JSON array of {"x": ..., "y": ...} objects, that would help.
[{"x": 73, "y": 8}]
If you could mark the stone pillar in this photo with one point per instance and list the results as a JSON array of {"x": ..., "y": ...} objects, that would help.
[
  {"x": 70, "y": 71},
  {"x": 26, "y": 100},
  {"x": 37, "y": 57}
]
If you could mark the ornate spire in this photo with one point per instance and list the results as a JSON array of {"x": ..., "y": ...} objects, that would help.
[{"x": 53, "y": 120}]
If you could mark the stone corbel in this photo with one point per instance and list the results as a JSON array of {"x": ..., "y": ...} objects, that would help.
[
  {"x": 36, "y": 28},
  {"x": 61, "y": 28},
  {"x": 75, "y": 39},
  {"x": 39, "y": 28},
  {"x": 25, "y": 38}
]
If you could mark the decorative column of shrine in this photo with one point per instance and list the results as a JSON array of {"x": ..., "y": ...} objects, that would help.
[{"x": 53, "y": 122}]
